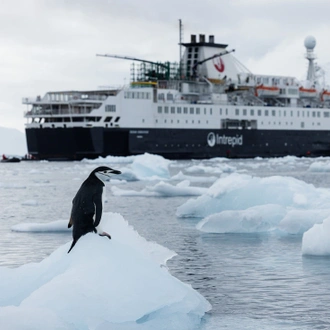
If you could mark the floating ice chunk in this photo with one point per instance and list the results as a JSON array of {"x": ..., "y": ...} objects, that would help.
[
  {"x": 162, "y": 189},
  {"x": 260, "y": 218},
  {"x": 54, "y": 226},
  {"x": 316, "y": 241},
  {"x": 148, "y": 166},
  {"x": 110, "y": 159},
  {"x": 319, "y": 166},
  {"x": 180, "y": 176},
  {"x": 101, "y": 284},
  {"x": 30, "y": 202},
  {"x": 202, "y": 169},
  {"x": 298, "y": 221},
  {"x": 239, "y": 192},
  {"x": 11, "y": 186}
]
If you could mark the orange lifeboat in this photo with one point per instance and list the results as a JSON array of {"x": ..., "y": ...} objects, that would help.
[
  {"x": 325, "y": 96},
  {"x": 307, "y": 92},
  {"x": 262, "y": 90}
]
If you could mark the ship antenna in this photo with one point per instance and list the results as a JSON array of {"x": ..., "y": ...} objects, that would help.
[{"x": 180, "y": 48}]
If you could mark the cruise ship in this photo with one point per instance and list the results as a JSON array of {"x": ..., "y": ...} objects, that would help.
[{"x": 205, "y": 105}]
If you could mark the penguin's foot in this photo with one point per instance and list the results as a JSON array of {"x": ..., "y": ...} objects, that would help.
[{"x": 105, "y": 234}]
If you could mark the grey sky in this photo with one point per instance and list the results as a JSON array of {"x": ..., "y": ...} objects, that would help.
[{"x": 51, "y": 45}]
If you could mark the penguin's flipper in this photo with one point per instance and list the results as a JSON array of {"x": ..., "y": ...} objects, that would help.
[
  {"x": 70, "y": 223},
  {"x": 105, "y": 234},
  {"x": 73, "y": 244}
]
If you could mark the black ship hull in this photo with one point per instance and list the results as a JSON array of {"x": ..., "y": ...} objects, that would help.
[{"x": 78, "y": 143}]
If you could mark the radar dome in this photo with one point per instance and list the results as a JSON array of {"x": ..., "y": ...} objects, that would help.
[{"x": 310, "y": 42}]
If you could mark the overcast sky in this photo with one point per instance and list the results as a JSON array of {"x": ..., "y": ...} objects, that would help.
[{"x": 50, "y": 45}]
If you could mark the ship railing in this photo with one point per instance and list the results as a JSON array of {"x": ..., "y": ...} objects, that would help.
[
  {"x": 56, "y": 112},
  {"x": 30, "y": 100}
]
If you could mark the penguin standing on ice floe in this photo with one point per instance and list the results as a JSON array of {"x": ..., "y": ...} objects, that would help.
[{"x": 87, "y": 204}]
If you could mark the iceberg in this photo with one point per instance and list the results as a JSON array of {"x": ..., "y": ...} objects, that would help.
[
  {"x": 240, "y": 203},
  {"x": 316, "y": 241},
  {"x": 102, "y": 284}
]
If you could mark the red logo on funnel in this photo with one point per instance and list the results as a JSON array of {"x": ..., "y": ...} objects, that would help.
[{"x": 218, "y": 64}]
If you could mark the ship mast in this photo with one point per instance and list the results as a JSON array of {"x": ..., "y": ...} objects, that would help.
[
  {"x": 310, "y": 43},
  {"x": 180, "y": 47}
]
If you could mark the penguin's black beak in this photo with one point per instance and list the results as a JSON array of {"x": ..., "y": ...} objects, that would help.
[{"x": 115, "y": 172}]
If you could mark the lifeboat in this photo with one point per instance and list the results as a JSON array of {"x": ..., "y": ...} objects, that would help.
[
  {"x": 325, "y": 96},
  {"x": 262, "y": 90},
  {"x": 307, "y": 92}
]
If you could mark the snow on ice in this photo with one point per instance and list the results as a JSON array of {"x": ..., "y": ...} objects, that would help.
[{"x": 102, "y": 284}]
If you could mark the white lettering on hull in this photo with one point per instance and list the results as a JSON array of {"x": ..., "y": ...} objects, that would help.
[{"x": 213, "y": 139}]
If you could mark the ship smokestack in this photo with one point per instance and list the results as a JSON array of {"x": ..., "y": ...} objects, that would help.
[
  {"x": 211, "y": 39},
  {"x": 193, "y": 38},
  {"x": 202, "y": 38}
]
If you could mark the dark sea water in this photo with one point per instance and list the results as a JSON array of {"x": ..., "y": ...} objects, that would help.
[{"x": 253, "y": 281}]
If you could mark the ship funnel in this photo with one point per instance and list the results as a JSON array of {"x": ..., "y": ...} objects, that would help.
[
  {"x": 202, "y": 38},
  {"x": 211, "y": 39},
  {"x": 193, "y": 38}
]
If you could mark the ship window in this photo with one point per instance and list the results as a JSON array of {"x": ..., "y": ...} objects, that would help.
[
  {"x": 156, "y": 120},
  {"x": 159, "y": 109},
  {"x": 266, "y": 112},
  {"x": 326, "y": 114},
  {"x": 237, "y": 112},
  {"x": 298, "y": 113},
  {"x": 198, "y": 110},
  {"x": 172, "y": 109},
  {"x": 252, "y": 112},
  {"x": 196, "y": 49},
  {"x": 318, "y": 114},
  {"x": 110, "y": 108},
  {"x": 166, "y": 109},
  {"x": 226, "y": 111},
  {"x": 106, "y": 120},
  {"x": 165, "y": 121},
  {"x": 259, "y": 112},
  {"x": 220, "y": 111},
  {"x": 179, "y": 110},
  {"x": 307, "y": 113},
  {"x": 196, "y": 55},
  {"x": 244, "y": 112},
  {"x": 204, "y": 111},
  {"x": 117, "y": 119},
  {"x": 191, "y": 111},
  {"x": 313, "y": 113},
  {"x": 189, "y": 55},
  {"x": 189, "y": 50},
  {"x": 185, "y": 110},
  {"x": 211, "y": 111},
  {"x": 273, "y": 113},
  {"x": 302, "y": 124},
  {"x": 291, "y": 113},
  {"x": 161, "y": 96},
  {"x": 169, "y": 97}
]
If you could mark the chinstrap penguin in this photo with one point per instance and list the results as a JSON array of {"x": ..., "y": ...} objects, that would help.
[{"x": 87, "y": 204}]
